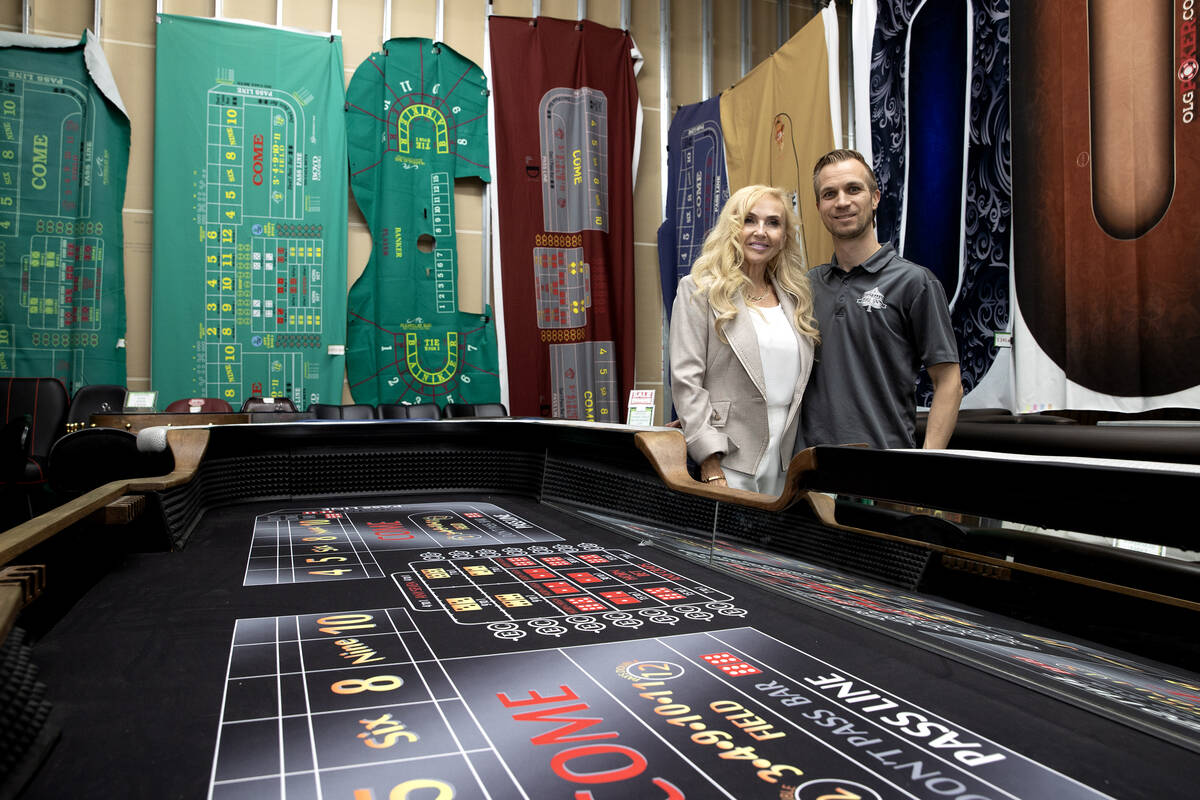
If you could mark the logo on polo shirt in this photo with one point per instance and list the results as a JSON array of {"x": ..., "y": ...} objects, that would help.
[{"x": 872, "y": 300}]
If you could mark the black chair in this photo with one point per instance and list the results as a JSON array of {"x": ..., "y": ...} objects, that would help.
[
  {"x": 353, "y": 411},
  {"x": 358, "y": 411},
  {"x": 14, "y": 449},
  {"x": 325, "y": 411},
  {"x": 34, "y": 413},
  {"x": 203, "y": 405},
  {"x": 405, "y": 411},
  {"x": 15, "y": 507},
  {"x": 45, "y": 401},
  {"x": 96, "y": 398},
  {"x": 259, "y": 405},
  {"x": 454, "y": 410}
]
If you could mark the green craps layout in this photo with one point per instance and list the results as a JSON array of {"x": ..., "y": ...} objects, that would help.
[{"x": 416, "y": 119}]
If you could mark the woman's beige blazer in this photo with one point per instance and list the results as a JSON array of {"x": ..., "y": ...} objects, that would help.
[{"x": 718, "y": 388}]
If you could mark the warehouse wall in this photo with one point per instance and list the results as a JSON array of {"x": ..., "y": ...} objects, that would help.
[{"x": 127, "y": 35}]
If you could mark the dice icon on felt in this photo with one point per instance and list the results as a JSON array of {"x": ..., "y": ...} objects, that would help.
[{"x": 730, "y": 664}]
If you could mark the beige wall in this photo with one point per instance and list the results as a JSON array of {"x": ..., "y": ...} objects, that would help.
[{"x": 127, "y": 33}]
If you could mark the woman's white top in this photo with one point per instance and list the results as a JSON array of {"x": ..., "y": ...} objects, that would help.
[{"x": 780, "y": 356}]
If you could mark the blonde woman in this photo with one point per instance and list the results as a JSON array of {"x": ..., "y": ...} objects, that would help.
[{"x": 742, "y": 340}]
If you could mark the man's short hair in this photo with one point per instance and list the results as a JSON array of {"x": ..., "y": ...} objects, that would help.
[{"x": 838, "y": 156}]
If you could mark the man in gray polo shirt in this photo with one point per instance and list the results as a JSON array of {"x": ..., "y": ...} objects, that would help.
[{"x": 881, "y": 318}]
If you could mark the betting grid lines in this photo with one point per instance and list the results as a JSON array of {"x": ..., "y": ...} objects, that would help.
[
  {"x": 61, "y": 283},
  {"x": 263, "y": 269},
  {"x": 61, "y": 271},
  {"x": 349, "y": 704},
  {"x": 698, "y": 194},
  {"x": 62, "y": 202},
  {"x": 286, "y": 282},
  {"x": 356, "y": 704},
  {"x": 445, "y": 267},
  {"x": 564, "y": 287},
  {"x": 294, "y": 548},
  {"x": 543, "y": 588},
  {"x": 305, "y": 546},
  {"x": 583, "y": 381},
  {"x": 573, "y": 130},
  {"x": 574, "y": 140},
  {"x": 304, "y": 716}
]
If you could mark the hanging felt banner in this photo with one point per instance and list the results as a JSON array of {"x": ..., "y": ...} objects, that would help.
[
  {"x": 250, "y": 205},
  {"x": 939, "y": 99},
  {"x": 566, "y": 103},
  {"x": 1106, "y": 182},
  {"x": 64, "y": 152},
  {"x": 697, "y": 188},
  {"x": 416, "y": 119},
  {"x": 777, "y": 123}
]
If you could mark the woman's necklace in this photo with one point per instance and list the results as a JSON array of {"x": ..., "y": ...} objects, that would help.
[{"x": 757, "y": 298}]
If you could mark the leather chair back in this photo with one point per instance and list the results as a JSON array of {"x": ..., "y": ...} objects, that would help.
[
  {"x": 404, "y": 411},
  {"x": 207, "y": 405},
  {"x": 257, "y": 405},
  {"x": 46, "y": 402},
  {"x": 96, "y": 398},
  {"x": 476, "y": 410}
]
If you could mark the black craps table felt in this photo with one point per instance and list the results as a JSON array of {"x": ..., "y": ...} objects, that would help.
[
  {"x": 540, "y": 654},
  {"x": 439, "y": 643}
]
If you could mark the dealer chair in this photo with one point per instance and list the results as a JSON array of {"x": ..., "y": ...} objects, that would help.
[
  {"x": 262, "y": 405},
  {"x": 202, "y": 405},
  {"x": 476, "y": 410},
  {"x": 96, "y": 398}
]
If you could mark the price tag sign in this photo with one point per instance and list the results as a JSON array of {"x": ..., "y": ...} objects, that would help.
[
  {"x": 140, "y": 401},
  {"x": 641, "y": 407}
]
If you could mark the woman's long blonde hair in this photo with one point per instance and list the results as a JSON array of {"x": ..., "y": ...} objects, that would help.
[{"x": 718, "y": 269}]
